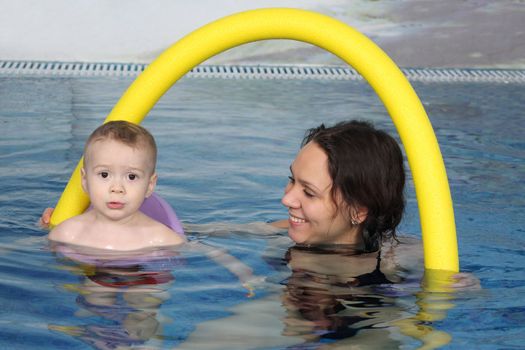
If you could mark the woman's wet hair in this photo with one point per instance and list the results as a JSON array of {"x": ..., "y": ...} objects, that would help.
[{"x": 367, "y": 170}]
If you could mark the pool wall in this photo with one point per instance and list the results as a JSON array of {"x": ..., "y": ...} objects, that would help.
[{"x": 481, "y": 34}]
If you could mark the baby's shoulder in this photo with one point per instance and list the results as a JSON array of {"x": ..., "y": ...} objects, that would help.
[
  {"x": 161, "y": 234},
  {"x": 67, "y": 230}
]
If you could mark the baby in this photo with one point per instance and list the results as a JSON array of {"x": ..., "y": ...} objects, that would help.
[{"x": 118, "y": 175}]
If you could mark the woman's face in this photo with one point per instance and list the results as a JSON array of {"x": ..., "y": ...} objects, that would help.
[{"x": 313, "y": 215}]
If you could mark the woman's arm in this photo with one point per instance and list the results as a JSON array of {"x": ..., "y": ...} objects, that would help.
[
  {"x": 280, "y": 224},
  {"x": 227, "y": 228}
]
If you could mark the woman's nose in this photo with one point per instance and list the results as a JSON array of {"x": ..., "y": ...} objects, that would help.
[{"x": 289, "y": 198}]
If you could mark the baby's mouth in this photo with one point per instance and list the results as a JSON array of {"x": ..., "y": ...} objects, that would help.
[{"x": 115, "y": 205}]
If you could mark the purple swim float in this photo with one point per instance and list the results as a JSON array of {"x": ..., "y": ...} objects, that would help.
[{"x": 158, "y": 209}]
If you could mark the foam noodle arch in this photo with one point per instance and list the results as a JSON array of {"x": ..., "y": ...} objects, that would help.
[{"x": 398, "y": 96}]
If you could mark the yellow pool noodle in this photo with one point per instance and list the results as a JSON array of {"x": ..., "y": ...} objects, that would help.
[{"x": 394, "y": 90}]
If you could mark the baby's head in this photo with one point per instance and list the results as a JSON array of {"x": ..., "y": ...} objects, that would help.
[
  {"x": 129, "y": 134},
  {"x": 119, "y": 168}
]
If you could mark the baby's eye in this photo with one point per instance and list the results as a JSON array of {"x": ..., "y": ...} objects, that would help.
[
  {"x": 132, "y": 177},
  {"x": 104, "y": 174},
  {"x": 291, "y": 179}
]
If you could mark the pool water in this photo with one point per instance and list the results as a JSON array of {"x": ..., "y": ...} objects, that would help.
[{"x": 224, "y": 151}]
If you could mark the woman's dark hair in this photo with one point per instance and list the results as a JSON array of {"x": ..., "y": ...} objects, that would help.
[{"x": 367, "y": 170}]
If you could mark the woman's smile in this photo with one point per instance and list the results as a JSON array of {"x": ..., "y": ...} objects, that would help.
[{"x": 296, "y": 220}]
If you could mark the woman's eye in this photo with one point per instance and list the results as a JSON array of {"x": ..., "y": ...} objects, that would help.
[
  {"x": 308, "y": 194},
  {"x": 104, "y": 174},
  {"x": 132, "y": 177}
]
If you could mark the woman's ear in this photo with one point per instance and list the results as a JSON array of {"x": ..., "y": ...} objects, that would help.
[
  {"x": 359, "y": 215},
  {"x": 151, "y": 185}
]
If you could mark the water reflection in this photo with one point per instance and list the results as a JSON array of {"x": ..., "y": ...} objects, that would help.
[
  {"x": 319, "y": 297},
  {"x": 332, "y": 297},
  {"x": 341, "y": 297},
  {"x": 336, "y": 295},
  {"x": 118, "y": 299}
]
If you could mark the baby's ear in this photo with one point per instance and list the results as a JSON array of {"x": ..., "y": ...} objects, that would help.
[
  {"x": 151, "y": 185},
  {"x": 83, "y": 180}
]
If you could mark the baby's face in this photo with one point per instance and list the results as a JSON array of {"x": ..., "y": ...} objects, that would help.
[{"x": 117, "y": 178}]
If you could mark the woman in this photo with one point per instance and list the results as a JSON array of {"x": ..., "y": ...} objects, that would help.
[{"x": 346, "y": 187}]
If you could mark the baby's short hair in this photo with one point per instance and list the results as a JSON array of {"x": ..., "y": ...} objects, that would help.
[{"x": 130, "y": 134}]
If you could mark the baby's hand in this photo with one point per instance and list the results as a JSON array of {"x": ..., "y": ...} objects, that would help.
[
  {"x": 45, "y": 218},
  {"x": 466, "y": 281}
]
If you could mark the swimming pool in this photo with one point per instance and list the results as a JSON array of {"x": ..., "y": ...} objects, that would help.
[{"x": 225, "y": 147}]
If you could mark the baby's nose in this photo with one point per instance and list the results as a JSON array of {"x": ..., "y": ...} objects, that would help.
[{"x": 116, "y": 187}]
